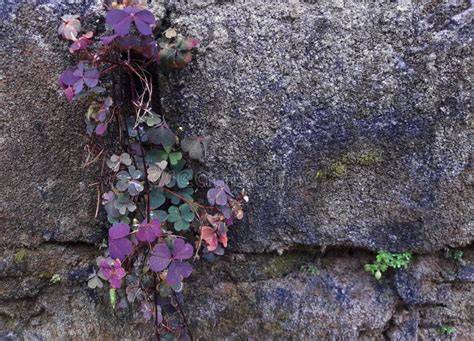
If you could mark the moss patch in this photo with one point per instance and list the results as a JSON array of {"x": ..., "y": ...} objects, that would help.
[
  {"x": 340, "y": 167},
  {"x": 21, "y": 255}
]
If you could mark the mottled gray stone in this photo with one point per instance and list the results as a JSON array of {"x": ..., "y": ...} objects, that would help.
[{"x": 348, "y": 126}]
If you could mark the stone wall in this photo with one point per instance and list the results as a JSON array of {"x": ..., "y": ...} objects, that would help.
[{"x": 348, "y": 124}]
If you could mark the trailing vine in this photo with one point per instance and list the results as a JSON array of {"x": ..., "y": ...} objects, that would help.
[{"x": 157, "y": 228}]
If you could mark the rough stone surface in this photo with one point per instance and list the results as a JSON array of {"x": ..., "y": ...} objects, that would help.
[{"x": 348, "y": 124}]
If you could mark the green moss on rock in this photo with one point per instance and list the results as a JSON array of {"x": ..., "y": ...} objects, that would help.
[{"x": 21, "y": 255}]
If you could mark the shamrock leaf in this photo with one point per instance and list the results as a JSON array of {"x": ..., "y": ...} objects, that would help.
[
  {"x": 119, "y": 245},
  {"x": 214, "y": 235},
  {"x": 82, "y": 43},
  {"x": 173, "y": 156},
  {"x": 148, "y": 232},
  {"x": 115, "y": 161},
  {"x": 89, "y": 77},
  {"x": 124, "y": 204},
  {"x": 66, "y": 81},
  {"x": 151, "y": 119},
  {"x": 112, "y": 271},
  {"x": 93, "y": 281},
  {"x": 156, "y": 172},
  {"x": 162, "y": 258},
  {"x": 121, "y": 20},
  {"x": 176, "y": 55},
  {"x": 219, "y": 194},
  {"x": 157, "y": 198},
  {"x": 181, "y": 217},
  {"x": 70, "y": 27},
  {"x": 183, "y": 178},
  {"x": 160, "y": 215},
  {"x": 129, "y": 181},
  {"x": 195, "y": 146},
  {"x": 162, "y": 135}
]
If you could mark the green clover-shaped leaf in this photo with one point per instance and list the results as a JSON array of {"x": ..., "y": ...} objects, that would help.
[
  {"x": 157, "y": 198},
  {"x": 181, "y": 217},
  {"x": 159, "y": 214},
  {"x": 172, "y": 156},
  {"x": 183, "y": 178},
  {"x": 151, "y": 119}
]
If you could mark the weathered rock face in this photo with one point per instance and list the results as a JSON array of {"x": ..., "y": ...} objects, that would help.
[{"x": 347, "y": 124}]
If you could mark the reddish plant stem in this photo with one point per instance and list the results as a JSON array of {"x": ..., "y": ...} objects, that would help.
[{"x": 186, "y": 200}]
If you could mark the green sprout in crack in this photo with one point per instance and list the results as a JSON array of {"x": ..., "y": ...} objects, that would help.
[
  {"x": 448, "y": 330},
  {"x": 385, "y": 260},
  {"x": 309, "y": 268},
  {"x": 457, "y": 255}
]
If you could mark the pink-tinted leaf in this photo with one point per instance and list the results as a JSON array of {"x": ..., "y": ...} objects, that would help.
[
  {"x": 112, "y": 271},
  {"x": 178, "y": 271},
  {"x": 222, "y": 234},
  {"x": 117, "y": 17},
  {"x": 182, "y": 250},
  {"x": 82, "y": 43},
  {"x": 68, "y": 78},
  {"x": 119, "y": 230},
  {"x": 101, "y": 129},
  {"x": 70, "y": 27},
  {"x": 69, "y": 93},
  {"x": 91, "y": 77},
  {"x": 209, "y": 236},
  {"x": 78, "y": 86},
  {"x": 161, "y": 257},
  {"x": 148, "y": 232},
  {"x": 120, "y": 248},
  {"x": 144, "y": 21},
  {"x": 106, "y": 40}
]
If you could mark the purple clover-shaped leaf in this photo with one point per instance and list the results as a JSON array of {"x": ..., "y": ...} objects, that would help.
[
  {"x": 121, "y": 20},
  {"x": 178, "y": 269},
  {"x": 119, "y": 245},
  {"x": 219, "y": 194},
  {"x": 67, "y": 81},
  {"x": 89, "y": 77},
  {"x": 161, "y": 257},
  {"x": 148, "y": 232},
  {"x": 112, "y": 271},
  {"x": 107, "y": 40},
  {"x": 177, "y": 272},
  {"x": 182, "y": 250}
]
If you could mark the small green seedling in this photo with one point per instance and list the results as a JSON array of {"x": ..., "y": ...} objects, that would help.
[
  {"x": 457, "y": 255},
  {"x": 55, "y": 279},
  {"x": 385, "y": 260},
  {"x": 309, "y": 268},
  {"x": 448, "y": 330}
]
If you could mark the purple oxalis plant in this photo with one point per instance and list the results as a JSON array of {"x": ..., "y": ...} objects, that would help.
[
  {"x": 119, "y": 245},
  {"x": 150, "y": 258},
  {"x": 162, "y": 258}
]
